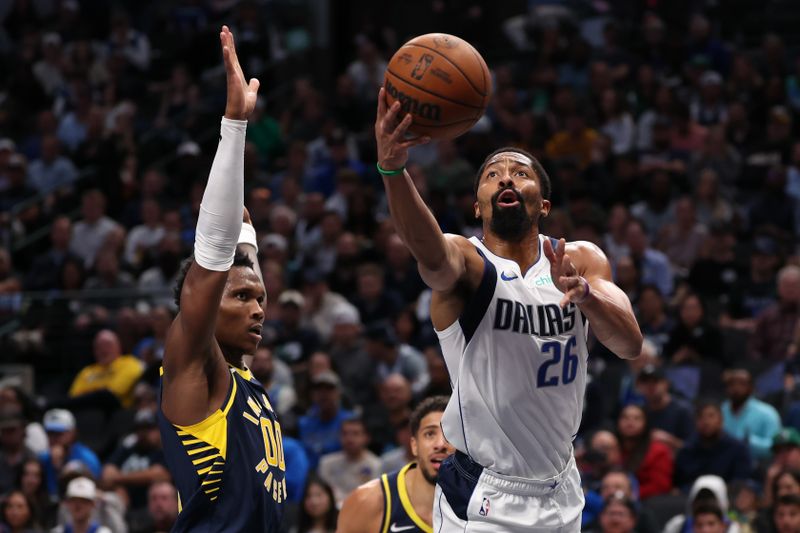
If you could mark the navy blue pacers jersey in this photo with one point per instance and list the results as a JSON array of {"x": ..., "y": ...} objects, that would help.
[
  {"x": 398, "y": 513},
  {"x": 229, "y": 468}
]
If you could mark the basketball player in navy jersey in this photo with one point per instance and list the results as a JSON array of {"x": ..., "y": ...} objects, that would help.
[
  {"x": 403, "y": 501},
  {"x": 511, "y": 312},
  {"x": 222, "y": 440}
]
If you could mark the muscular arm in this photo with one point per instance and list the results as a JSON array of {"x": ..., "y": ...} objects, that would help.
[
  {"x": 362, "y": 511},
  {"x": 606, "y": 306},
  {"x": 195, "y": 377}
]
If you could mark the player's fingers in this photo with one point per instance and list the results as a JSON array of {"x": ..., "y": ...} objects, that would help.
[
  {"x": 402, "y": 128},
  {"x": 381, "y": 105},
  {"x": 391, "y": 114},
  {"x": 254, "y": 85},
  {"x": 548, "y": 250},
  {"x": 416, "y": 141},
  {"x": 568, "y": 269},
  {"x": 562, "y": 248}
]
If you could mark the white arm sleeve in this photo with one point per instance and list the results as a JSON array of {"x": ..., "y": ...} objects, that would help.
[{"x": 220, "y": 220}]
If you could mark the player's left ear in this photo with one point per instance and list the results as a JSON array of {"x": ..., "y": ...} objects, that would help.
[
  {"x": 545, "y": 208},
  {"x": 414, "y": 447},
  {"x": 477, "y": 209}
]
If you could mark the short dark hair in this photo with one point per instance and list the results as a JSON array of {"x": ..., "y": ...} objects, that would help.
[
  {"x": 434, "y": 404},
  {"x": 788, "y": 499},
  {"x": 537, "y": 167},
  {"x": 355, "y": 419},
  {"x": 707, "y": 403},
  {"x": 240, "y": 259},
  {"x": 708, "y": 508}
]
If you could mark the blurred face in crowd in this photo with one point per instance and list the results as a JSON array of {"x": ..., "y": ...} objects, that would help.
[
  {"x": 17, "y": 511},
  {"x": 636, "y": 238},
  {"x": 653, "y": 389},
  {"x": 262, "y": 365},
  {"x": 651, "y": 304},
  {"x": 314, "y": 207},
  {"x": 354, "y": 438},
  {"x": 80, "y": 509},
  {"x": 709, "y": 523},
  {"x": 691, "y": 311},
  {"x": 317, "y": 501},
  {"x": 606, "y": 443},
  {"x": 786, "y": 484},
  {"x": 93, "y": 206},
  {"x": 509, "y": 196},
  {"x": 615, "y": 484},
  {"x": 738, "y": 386},
  {"x": 31, "y": 478},
  {"x": 319, "y": 362},
  {"x": 787, "y": 456},
  {"x": 162, "y": 503},
  {"x": 397, "y": 255},
  {"x": 395, "y": 392},
  {"x": 631, "y": 423},
  {"x": 709, "y": 422},
  {"x": 370, "y": 285},
  {"x": 789, "y": 285},
  {"x": 787, "y": 518},
  {"x": 148, "y": 438},
  {"x": 429, "y": 446},
  {"x": 12, "y": 436},
  {"x": 106, "y": 347},
  {"x": 616, "y": 517},
  {"x": 326, "y": 397},
  {"x": 60, "y": 233},
  {"x": 151, "y": 212}
]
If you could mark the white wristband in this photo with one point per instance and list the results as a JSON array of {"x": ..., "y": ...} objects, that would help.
[{"x": 248, "y": 235}]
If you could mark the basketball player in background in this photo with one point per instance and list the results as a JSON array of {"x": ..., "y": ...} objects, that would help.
[
  {"x": 511, "y": 312},
  {"x": 221, "y": 438},
  {"x": 403, "y": 500}
]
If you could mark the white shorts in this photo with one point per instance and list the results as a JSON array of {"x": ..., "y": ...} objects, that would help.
[{"x": 473, "y": 499}]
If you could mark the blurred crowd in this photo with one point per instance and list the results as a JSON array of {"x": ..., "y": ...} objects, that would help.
[{"x": 669, "y": 130}]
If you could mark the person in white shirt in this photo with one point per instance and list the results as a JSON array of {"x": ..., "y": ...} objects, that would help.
[{"x": 354, "y": 465}]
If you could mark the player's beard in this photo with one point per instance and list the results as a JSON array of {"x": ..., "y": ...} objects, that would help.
[
  {"x": 431, "y": 478},
  {"x": 510, "y": 223}
]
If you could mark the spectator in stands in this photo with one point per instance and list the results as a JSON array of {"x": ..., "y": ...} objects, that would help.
[
  {"x": 111, "y": 283},
  {"x": 754, "y": 294},
  {"x": 52, "y": 170},
  {"x": 786, "y": 515},
  {"x": 64, "y": 448},
  {"x": 574, "y": 142},
  {"x": 32, "y": 484},
  {"x": 46, "y": 267},
  {"x": 110, "y": 379},
  {"x": 707, "y": 490},
  {"x": 157, "y": 282},
  {"x": 318, "y": 512},
  {"x": 90, "y": 233},
  {"x": 354, "y": 465},
  {"x": 136, "y": 465},
  {"x": 321, "y": 304},
  {"x": 653, "y": 265},
  {"x": 393, "y": 409},
  {"x": 19, "y": 514},
  {"x": 694, "y": 339},
  {"x": 401, "y": 454},
  {"x": 669, "y": 417},
  {"x": 618, "y": 516},
  {"x": 290, "y": 340},
  {"x": 395, "y": 358},
  {"x": 80, "y": 501},
  {"x": 161, "y": 511},
  {"x": 708, "y": 518},
  {"x": 276, "y": 378},
  {"x": 321, "y": 426},
  {"x": 146, "y": 236},
  {"x": 683, "y": 238},
  {"x": 649, "y": 459},
  {"x": 13, "y": 452},
  {"x": 617, "y": 483},
  {"x": 716, "y": 272},
  {"x": 35, "y": 437},
  {"x": 17, "y": 187},
  {"x": 775, "y": 326},
  {"x": 373, "y": 299},
  {"x": 347, "y": 351},
  {"x": 710, "y": 450},
  {"x": 654, "y": 321},
  {"x": 746, "y": 417}
]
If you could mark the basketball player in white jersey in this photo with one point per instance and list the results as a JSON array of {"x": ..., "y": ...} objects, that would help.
[{"x": 511, "y": 313}]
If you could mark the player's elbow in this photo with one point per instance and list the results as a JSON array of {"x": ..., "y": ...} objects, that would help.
[{"x": 631, "y": 348}]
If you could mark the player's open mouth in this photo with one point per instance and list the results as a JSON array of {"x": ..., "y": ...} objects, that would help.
[
  {"x": 255, "y": 331},
  {"x": 437, "y": 462},
  {"x": 508, "y": 198}
]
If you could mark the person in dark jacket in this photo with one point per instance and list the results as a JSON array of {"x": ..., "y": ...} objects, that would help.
[{"x": 711, "y": 451}]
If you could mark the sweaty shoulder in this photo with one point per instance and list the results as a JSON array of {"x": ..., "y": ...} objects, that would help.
[
  {"x": 362, "y": 510},
  {"x": 472, "y": 259},
  {"x": 589, "y": 259}
]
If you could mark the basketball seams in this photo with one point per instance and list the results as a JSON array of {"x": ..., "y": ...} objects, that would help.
[
  {"x": 486, "y": 87},
  {"x": 473, "y": 120},
  {"x": 464, "y": 74},
  {"x": 423, "y": 89}
]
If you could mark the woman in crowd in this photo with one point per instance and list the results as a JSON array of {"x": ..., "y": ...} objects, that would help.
[
  {"x": 19, "y": 514},
  {"x": 318, "y": 511},
  {"x": 651, "y": 461}
]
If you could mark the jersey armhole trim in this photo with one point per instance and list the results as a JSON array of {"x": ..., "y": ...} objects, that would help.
[
  {"x": 214, "y": 417},
  {"x": 404, "y": 499},
  {"x": 475, "y": 307},
  {"x": 387, "y": 507}
]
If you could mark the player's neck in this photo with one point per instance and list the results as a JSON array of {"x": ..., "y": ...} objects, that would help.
[
  {"x": 420, "y": 492},
  {"x": 524, "y": 252}
]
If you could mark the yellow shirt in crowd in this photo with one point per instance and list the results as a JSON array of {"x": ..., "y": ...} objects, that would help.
[{"x": 119, "y": 378}]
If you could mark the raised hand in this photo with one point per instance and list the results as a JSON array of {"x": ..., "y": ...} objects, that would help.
[
  {"x": 241, "y": 94},
  {"x": 564, "y": 274},
  {"x": 390, "y": 135}
]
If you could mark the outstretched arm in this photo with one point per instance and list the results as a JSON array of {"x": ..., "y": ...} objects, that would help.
[
  {"x": 362, "y": 510},
  {"x": 440, "y": 260},
  {"x": 194, "y": 369},
  {"x": 581, "y": 271}
]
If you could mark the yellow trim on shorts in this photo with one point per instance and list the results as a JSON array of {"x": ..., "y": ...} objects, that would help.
[
  {"x": 388, "y": 511},
  {"x": 409, "y": 509}
]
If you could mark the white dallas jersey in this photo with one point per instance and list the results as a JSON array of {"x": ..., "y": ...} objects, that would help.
[{"x": 517, "y": 363}]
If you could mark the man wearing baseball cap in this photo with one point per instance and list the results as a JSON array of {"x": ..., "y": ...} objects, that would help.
[
  {"x": 80, "y": 502},
  {"x": 64, "y": 447}
]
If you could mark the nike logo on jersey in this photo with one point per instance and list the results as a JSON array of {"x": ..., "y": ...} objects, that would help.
[
  {"x": 395, "y": 529},
  {"x": 506, "y": 277}
]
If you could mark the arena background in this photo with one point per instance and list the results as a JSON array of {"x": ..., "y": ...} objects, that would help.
[{"x": 669, "y": 129}]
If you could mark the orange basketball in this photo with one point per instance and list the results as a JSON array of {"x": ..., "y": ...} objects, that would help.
[{"x": 442, "y": 81}]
